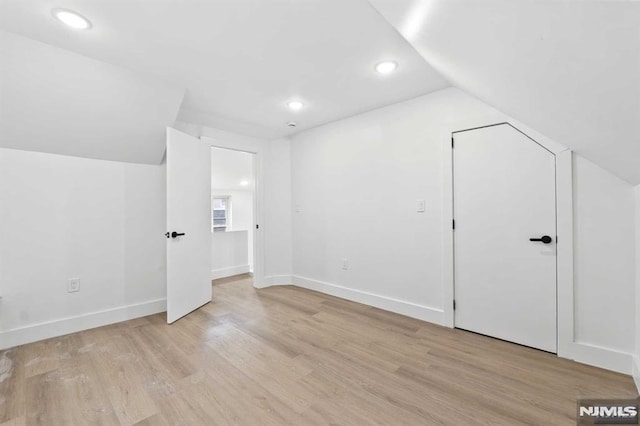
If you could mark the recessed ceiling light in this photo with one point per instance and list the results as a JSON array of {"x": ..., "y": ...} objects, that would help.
[
  {"x": 295, "y": 105},
  {"x": 291, "y": 124},
  {"x": 244, "y": 183},
  {"x": 71, "y": 19},
  {"x": 386, "y": 67}
]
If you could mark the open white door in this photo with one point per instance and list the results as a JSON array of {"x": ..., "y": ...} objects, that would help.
[
  {"x": 505, "y": 236},
  {"x": 188, "y": 224}
]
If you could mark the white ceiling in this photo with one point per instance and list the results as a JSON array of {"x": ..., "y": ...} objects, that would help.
[
  {"x": 569, "y": 69},
  {"x": 229, "y": 168},
  {"x": 53, "y": 100},
  {"x": 242, "y": 60}
]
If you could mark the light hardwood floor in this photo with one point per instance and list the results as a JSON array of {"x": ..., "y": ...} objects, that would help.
[{"x": 285, "y": 355}]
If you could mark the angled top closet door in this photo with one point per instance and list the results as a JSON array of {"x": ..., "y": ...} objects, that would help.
[{"x": 505, "y": 236}]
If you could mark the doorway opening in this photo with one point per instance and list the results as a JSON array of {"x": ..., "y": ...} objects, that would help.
[{"x": 233, "y": 213}]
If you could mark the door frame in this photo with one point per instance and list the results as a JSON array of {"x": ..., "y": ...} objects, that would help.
[
  {"x": 566, "y": 345},
  {"x": 228, "y": 141}
]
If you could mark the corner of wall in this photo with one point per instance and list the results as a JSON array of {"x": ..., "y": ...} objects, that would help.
[{"x": 275, "y": 280}]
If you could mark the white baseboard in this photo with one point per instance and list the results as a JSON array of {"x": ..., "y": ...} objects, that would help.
[
  {"x": 229, "y": 272},
  {"x": 60, "y": 327},
  {"x": 581, "y": 352},
  {"x": 424, "y": 313},
  {"x": 272, "y": 280},
  {"x": 609, "y": 359}
]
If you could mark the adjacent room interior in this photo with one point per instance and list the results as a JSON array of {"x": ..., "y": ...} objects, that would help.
[
  {"x": 232, "y": 205},
  {"x": 319, "y": 212}
]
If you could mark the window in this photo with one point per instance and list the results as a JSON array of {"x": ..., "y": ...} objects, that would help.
[{"x": 221, "y": 214}]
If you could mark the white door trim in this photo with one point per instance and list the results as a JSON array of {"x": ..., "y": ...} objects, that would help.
[
  {"x": 564, "y": 204},
  {"x": 564, "y": 223},
  {"x": 258, "y": 203}
]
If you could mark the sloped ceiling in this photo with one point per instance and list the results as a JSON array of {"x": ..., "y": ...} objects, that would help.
[
  {"x": 569, "y": 69},
  {"x": 241, "y": 61},
  {"x": 52, "y": 100}
]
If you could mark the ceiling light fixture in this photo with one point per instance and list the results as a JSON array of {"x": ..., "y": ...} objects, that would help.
[
  {"x": 295, "y": 105},
  {"x": 71, "y": 19},
  {"x": 291, "y": 124},
  {"x": 386, "y": 67},
  {"x": 244, "y": 183}
]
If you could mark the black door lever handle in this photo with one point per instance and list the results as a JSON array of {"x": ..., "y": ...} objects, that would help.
[
  {"x": 174, "y": 234},
  {"x": 545, "y": 239}
]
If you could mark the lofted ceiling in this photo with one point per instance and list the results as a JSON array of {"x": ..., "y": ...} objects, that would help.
[
  {"x": 241, "y": 61},
  {"x": 569, "y": 69},
  {"x": 56, "y": 101}
]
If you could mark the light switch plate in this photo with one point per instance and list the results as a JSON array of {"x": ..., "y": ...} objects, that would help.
[{"x": 420, "y": 206}]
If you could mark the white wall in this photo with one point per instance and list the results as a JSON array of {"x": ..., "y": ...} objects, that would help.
[
  {"x": 604, "y": 257},
  {"x": 241, "y": 208},
  {"x": 355, "y": 183},
  {"x": 241, "y": 220},
  {"x": 229, "y": 254},
  {"x": 63, "y": 217},
  {"x": 278, "y": 218}
]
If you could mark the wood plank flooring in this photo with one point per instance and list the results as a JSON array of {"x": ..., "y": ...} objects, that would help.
[{"x": 285, "y": 355}]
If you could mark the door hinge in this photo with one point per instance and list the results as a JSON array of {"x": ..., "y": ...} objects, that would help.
[
  {"x": 453, "y": 224},
  {"x": 454, "y": 304},
  {"x": 452, "y": 142}
]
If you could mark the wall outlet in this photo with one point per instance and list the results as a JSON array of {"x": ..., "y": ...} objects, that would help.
[
  {"x": 345, "y": 264},
  {"x": 73, "y": 285}
]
